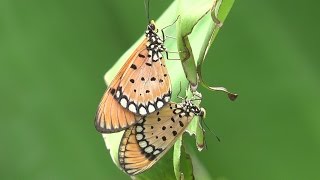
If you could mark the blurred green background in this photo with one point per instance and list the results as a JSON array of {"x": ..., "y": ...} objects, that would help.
[{"x": 53, "y": 55}]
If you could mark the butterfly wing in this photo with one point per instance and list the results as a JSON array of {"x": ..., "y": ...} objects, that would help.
[
  {"x": 141, "y": 86},
  {"x": 111, "y": 116},
  {"x": 145, "y": 143},
  {"x": 145, "y": 85}
]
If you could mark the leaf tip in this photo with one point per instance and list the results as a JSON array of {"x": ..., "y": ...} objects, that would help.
[{"x": 232, "y": 96}]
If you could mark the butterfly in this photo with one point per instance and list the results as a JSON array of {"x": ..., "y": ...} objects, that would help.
[
  {"x": 142, "y": 86},
  {"x": 143, "y": 144}
]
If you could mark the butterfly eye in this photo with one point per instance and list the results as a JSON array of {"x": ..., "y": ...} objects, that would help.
[{"x": 151, "y": 27}]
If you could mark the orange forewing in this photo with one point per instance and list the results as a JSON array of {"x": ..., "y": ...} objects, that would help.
[
  {"x": 111, "y": 116},
  {"x": 142, "y": 86},
  {"x": 146, "y": 87}
]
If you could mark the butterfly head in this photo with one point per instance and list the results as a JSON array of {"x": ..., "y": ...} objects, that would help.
[
  {"x": 152, "y": 27},
  {"x": 151, "y": 33},
  {"x": 155, "y": 43}
]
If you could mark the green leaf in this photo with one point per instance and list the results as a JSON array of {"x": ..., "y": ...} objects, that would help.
[
  {"x": 186, "y": 165},
  {"x": 112, "y": 142},
  {"x": 218, "y": 12},
  {"x": 176, "y": 158},
  {"x": 194, "y": 21},
  {"x": 185, "y": 25},
  {"x": 203, "y": 23},
  {"x": 195, "y": 129}
]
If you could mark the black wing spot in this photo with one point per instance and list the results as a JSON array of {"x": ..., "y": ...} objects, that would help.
[
  {"x": 165, "y": 75},
  {"x": 174, "y": 133},
  {"x": 164, "y": 138},
  {"x": 153, "y": 79},
  {"x": 142, "y": 79},
  {"x": 147, "y": 91},
  {"x": 181, "y": 123},
  {"x": 172, "y": 119},
  {"x": 134, "y": 90},
  {"x": 133, "y": 66},
  {"x": 141, "y": 55},
  {"x": 132, "y": 80},
  {"x": 160, "y": 80},
  {"x": 148, "y": 64},
  {"x": 151, "y": 127},
  {"x": 163, "y": 128},
  {"x": 158, "y": 112},
  {"x": 159, "y": 119},
  {"x": 157, "y": 137},
  {"x": 112, "y": 91}
]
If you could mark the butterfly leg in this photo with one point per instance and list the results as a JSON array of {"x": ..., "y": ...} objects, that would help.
[
  {"x": 166, "y": 36},
  {"x": 172, "y": 23},
  {"x": 170, "y": 37},
  {"x": 162, "y": 30},
  {"x": 167, "y": 55}
]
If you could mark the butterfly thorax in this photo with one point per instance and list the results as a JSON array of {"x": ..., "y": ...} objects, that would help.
[
  {"x": 155, "y": 44},
  {"x": 191, "y": 109}
]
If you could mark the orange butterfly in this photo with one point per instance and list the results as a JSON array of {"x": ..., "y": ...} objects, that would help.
[
  {"x": 142, "y": 86},
  {"x": 143, "y": 144}
]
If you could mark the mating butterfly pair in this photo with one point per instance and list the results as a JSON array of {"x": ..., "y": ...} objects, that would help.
[{"x": 137, "y": 101}]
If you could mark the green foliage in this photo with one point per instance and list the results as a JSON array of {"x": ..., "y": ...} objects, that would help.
[
  {"x": 185, "y": 25},
  {"x": 182, "y": 162},
  {"x": 53, "y": 55}
]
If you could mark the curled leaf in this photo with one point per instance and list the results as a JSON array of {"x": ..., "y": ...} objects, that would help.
[{"x": 218, "y": 12}]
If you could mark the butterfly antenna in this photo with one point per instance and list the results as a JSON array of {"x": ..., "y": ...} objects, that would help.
[
  {"x": 146, "y": 6},
  {"x": 211, "y": 131}
]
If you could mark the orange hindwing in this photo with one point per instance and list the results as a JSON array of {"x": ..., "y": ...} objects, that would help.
[{"x": 147, "y": 141}]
